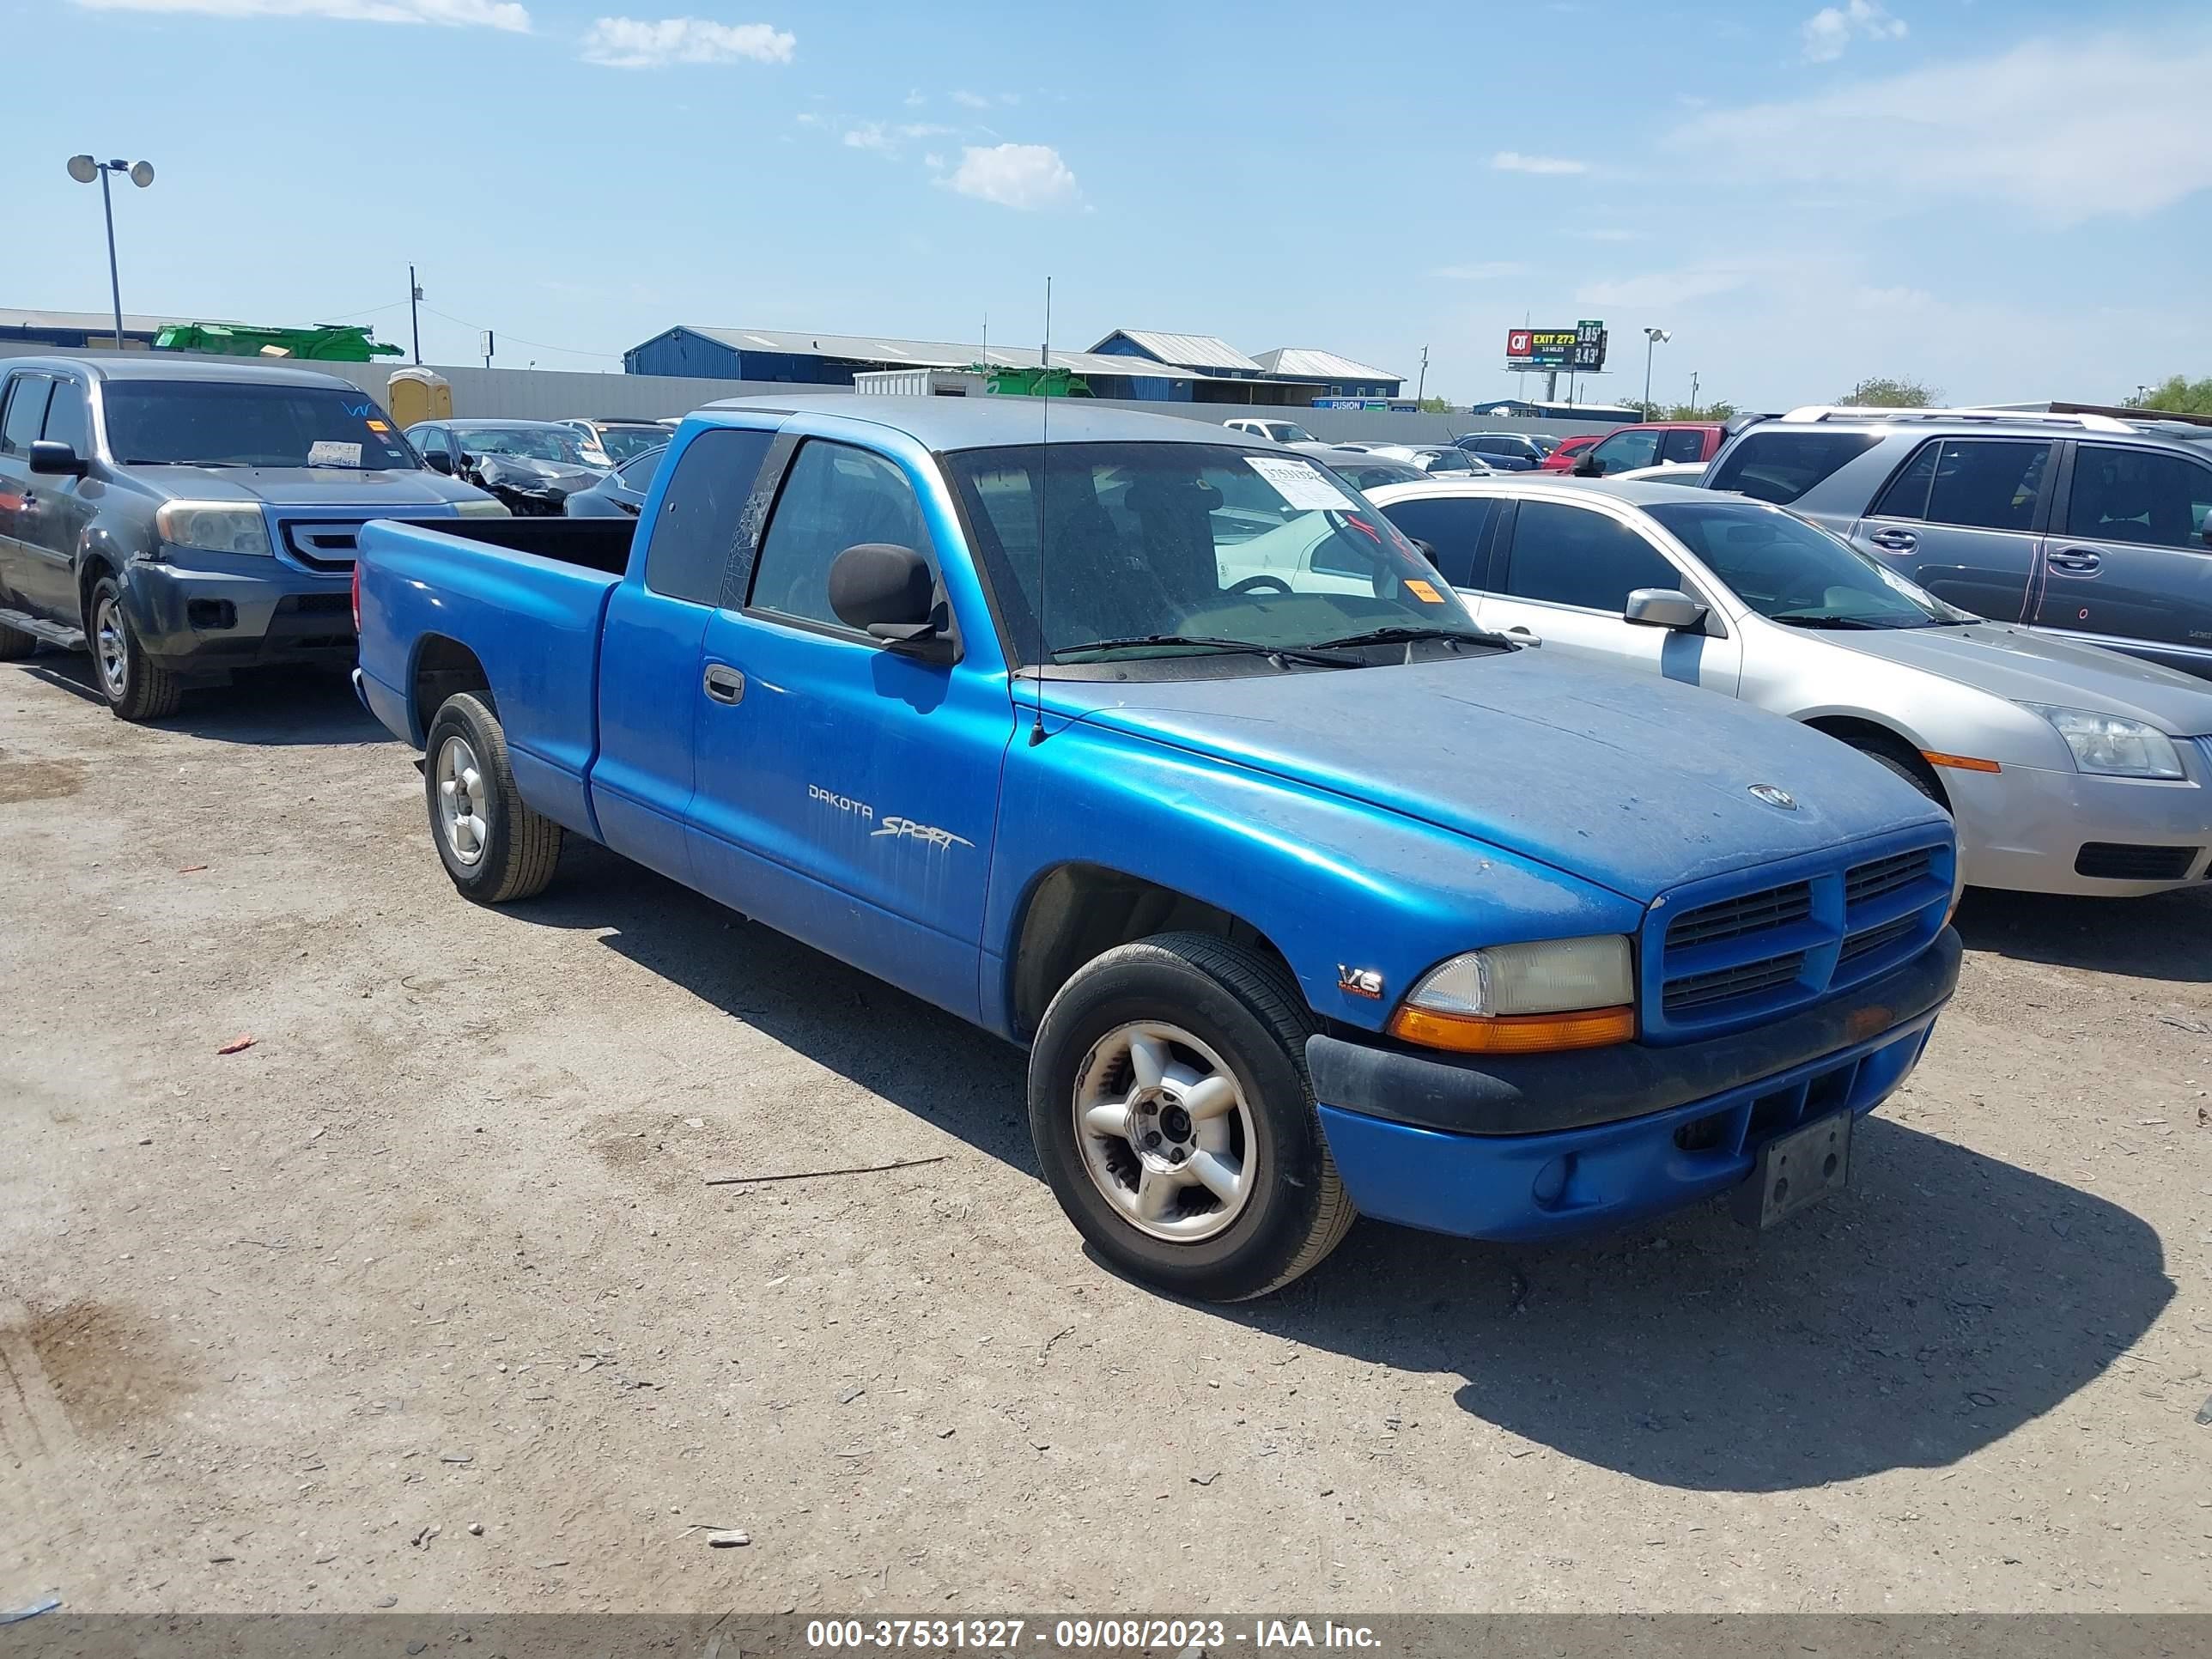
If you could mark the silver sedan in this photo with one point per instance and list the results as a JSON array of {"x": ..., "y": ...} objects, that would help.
[{"x": 2068, "y": 768}]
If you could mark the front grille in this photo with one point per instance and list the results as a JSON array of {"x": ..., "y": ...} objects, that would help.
[
  {"x": 322, "y": 546},
  {"x": 2112, "y": 861},
  {"x": 1710, "y": 924},
  {"x": 1869, "y": 882},
  {"x": 1859, "y": 946},
  {"x": 1794, "y": 934},
  {"x": 1695, "y": 991}
]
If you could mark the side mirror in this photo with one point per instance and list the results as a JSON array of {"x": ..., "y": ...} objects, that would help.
[
  {"x": 1590, "y": 467},
  {"x": 438, "y": 461},
  {"x": 57, "y": 460},
  {"x": 1426, "y": 549},
  {"x": 885, "y": 590},
  {"x": 1664, "y": 607}
]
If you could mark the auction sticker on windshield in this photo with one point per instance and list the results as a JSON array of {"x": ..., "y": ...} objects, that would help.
[
  {"x": 327, "y": 452},
  {"x": 1301, "y": 483}
]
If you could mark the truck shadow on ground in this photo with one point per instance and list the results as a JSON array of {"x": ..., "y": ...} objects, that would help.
[
  {"x": 264, "y": 707},
  {"x": 1945, "y": 1300},
  {"x": 2162, "y": 937}
]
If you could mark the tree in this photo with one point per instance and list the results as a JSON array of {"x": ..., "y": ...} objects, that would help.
[
  {"x": 1435, "y": 406},
  {"x": 2179, "y": 395},
  {"x": 1892, "y": 394},
  {"x": 1719, "y": 410}
]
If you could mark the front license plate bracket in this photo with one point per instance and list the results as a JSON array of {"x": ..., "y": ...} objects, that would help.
[{"x": 1796, "y": 1170}]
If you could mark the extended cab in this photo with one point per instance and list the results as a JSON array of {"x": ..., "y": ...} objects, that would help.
[
  {"x": 186, "y": 518},
  {"x": 1157, "y": 750}
]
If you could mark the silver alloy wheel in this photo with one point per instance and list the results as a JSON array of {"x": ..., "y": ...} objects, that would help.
[
  {"x": 111, "y": 647},
  {"x": 1166, "y": 1134},
  {"x": 461, "y": 800}
]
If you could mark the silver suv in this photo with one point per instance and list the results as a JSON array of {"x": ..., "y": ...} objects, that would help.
[{"x": 2084, "y": 523}]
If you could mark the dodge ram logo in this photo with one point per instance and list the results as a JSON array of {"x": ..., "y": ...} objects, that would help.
[{"x": 1774, "y": 797}]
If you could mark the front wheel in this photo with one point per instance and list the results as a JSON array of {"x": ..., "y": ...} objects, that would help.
[
  {"x": 1172, "y": 1113},
  {"x": 493, "y": 845},
  {"x": 137, "y": 688}
]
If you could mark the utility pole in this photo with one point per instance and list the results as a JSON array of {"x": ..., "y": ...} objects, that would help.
[
  {"x": 1653, "y": 339},
  {"x": 84, "y": 169},
  {"x": 1421, "y": 385},
  {"x": 414, "y": 317},
  {"x": 1693, "y": 394}
]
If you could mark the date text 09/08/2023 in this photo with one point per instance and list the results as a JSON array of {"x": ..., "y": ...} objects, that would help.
[{"x": 1010, "y": 1636}]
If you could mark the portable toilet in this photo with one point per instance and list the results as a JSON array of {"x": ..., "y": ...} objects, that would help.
[{"x": 419, "y": 394}]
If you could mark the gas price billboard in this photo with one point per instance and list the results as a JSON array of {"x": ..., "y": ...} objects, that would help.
[{"x": 1581, "y": 347}]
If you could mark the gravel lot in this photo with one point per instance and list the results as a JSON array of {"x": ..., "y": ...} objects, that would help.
[{"x": 285, "y": 1327}]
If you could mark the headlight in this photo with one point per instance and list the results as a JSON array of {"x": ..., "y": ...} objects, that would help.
[
  {"x": 1524, "y": 999},
  {"x": 213, "y": 527},
  {"x": 2112, "y": 747},
  {"x": 486, "y": 508}
]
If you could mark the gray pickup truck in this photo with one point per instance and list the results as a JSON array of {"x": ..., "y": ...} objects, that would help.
[{"x": 185, "y": 518}]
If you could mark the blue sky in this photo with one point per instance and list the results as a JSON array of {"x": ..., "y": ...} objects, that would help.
[{"x": 2010, "y": 199}]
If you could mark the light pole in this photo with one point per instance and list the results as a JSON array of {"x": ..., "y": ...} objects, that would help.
[
  {"x": 84, "y": 169},
  {"x": 1653, "y": 339}
]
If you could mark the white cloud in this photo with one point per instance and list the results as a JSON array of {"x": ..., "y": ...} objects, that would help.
[
  {"x": 1512, "y": 160},
  {"x": 916, "y": 98},
  {"x": 887, "y": 141},
  {"x": 1828, "y": 31},
  {"x": 2120, "y": 124},
  {"x": 1023, "y": 176},
  {"x": 933, "y": 162},
  {"x": 642, "y": 43},
  {"x": 461, "y": 13},
  {"x": 968, "y": 99},
  {"x": 868, "y": 136},
  {"x": 1488, "y": 271}
]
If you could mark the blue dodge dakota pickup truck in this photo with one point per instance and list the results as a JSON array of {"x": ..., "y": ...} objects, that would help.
[{"x": 1161, "y": 752}]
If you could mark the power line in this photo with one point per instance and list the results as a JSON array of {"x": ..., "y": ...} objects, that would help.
[{"x": 569, "y": 351}]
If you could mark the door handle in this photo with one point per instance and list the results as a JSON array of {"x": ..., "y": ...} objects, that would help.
[
  {"x": 1895, "y": 541},
  {"x": 724, "y": 684},
  {"x": 2075, "y": 562},
  {"x": 1526, "y": 636}
]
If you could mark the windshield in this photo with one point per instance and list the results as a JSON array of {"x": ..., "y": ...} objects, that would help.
[
  {"x": 1289, "y": 432},
  {"x": 1790, "y": 572},
  {"x": 245, "y": 423},
  {"x": 536, "y": 443},
  {"x": 624, "y": 443},
  {"x": 1146, "y": 539}
]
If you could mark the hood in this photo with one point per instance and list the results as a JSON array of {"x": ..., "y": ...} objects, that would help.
[
  {"x": 2023, "y": 667},
  {"x": 315, "y": 487},
  {"x": 1635, "y": 784},
  {"x": 527, "y": 472}
]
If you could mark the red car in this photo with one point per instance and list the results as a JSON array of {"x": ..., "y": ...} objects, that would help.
[
  {"x": 1648, "y": 444},
  {"x": 1567, "y": 451}
]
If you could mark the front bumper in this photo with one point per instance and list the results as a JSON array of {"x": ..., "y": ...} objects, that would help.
[
  {"x": 241, "y": 611},
  {"x": 2024, "y": 828},
  {"x": 1546, "y": 1146}
]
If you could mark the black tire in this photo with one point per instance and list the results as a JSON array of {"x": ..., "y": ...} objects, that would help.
[
  {"x": 15, "y": 644},
  {"x": 1906, "y": 764},
  {"x": 136, "y": 687},
  {"x": 518, "y": 848},
  {"x": 1243, "y": 1007}
]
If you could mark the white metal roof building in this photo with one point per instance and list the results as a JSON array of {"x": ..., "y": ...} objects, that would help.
[{"x": 1126, "y": 363}]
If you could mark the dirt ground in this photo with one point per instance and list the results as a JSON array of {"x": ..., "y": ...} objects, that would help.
[{"x": 284, "y": 1328}]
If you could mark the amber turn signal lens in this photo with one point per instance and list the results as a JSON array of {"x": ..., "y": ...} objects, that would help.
[
  {"x": 1959, "y": 762},
  {"x": 1514, "y": 1034}
]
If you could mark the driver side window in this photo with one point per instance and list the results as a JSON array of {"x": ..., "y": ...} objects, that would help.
[
  {"x": 1578, "y": 556},
  {"x": 835, "y": 496},
  {"x": 1625, "y": 451}
]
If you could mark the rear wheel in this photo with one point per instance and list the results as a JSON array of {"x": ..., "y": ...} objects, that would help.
[
  {"x": 1172, "y": 1115},
  {"x": 495, "y": 849},
  {"x": 136, "y": 688}
]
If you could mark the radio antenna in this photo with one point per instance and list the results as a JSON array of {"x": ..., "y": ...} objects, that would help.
[{"x": 1044, "y": 474}]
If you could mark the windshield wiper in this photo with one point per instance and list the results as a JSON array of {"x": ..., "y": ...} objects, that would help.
[
  {"x": 1285, "y": 652},
  {"x": 145, "y": 462},
  {"x": 1401, "y": 633},
  {"x": 1810, "y": 619}
]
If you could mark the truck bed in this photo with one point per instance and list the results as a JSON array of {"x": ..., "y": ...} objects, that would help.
[
  {"x": 601, "y": 544},
  {"x": 515, "y": 603}
]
